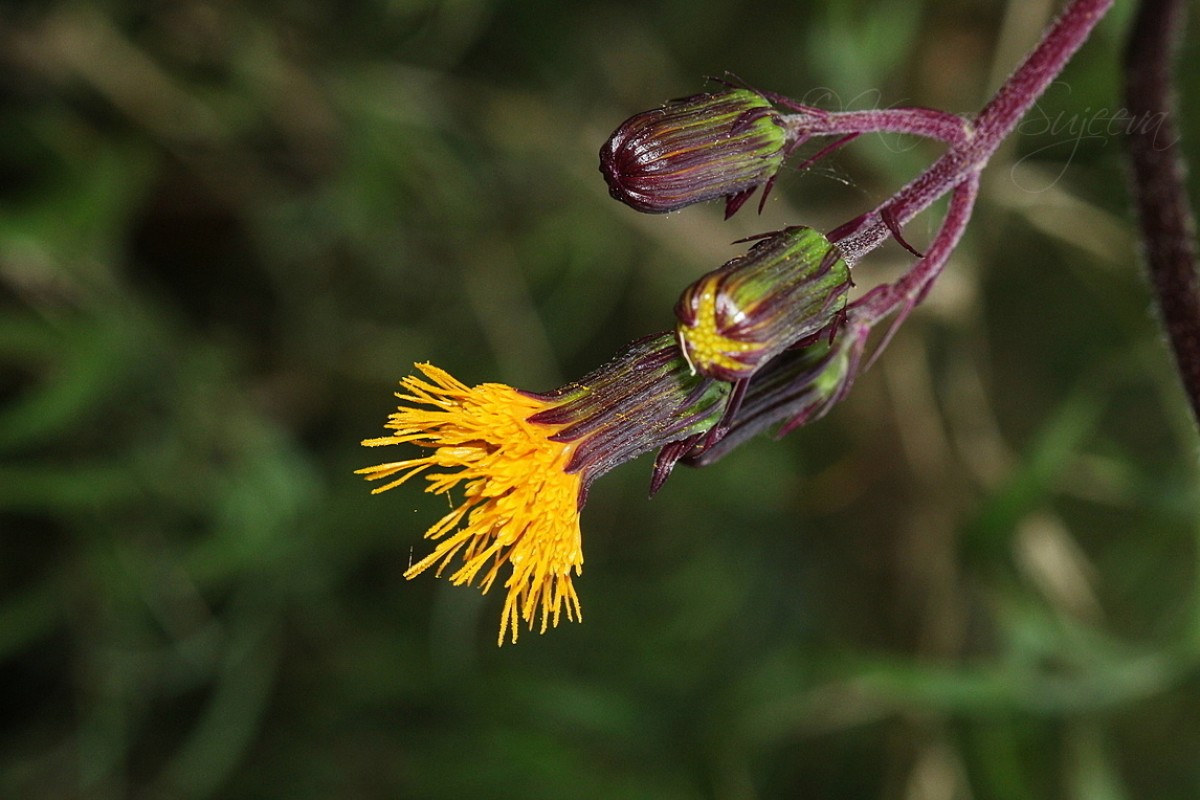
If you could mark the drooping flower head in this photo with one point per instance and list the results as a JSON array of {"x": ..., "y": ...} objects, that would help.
[
  {"x": 720, "y": 145},
  {"x": 522, "y": 463},
  {"x": 789, "y": 286}
]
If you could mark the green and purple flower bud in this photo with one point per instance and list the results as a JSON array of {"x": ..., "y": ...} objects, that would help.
[
  {"x": 787, "y": 289},
  {"x": 725, "y": 144},
  {"x": 795, "y": 389}
]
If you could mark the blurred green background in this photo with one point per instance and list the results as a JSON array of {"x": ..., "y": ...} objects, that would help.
[{"x": 227, "y": 229}]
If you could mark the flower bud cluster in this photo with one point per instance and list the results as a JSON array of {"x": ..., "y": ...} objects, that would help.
[
  {"x": 756, "y": 343},
  {"x": 769, "y": 322}
]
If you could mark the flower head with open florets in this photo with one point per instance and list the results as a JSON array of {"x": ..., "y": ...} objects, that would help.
[{"x": 523, "y": 463}]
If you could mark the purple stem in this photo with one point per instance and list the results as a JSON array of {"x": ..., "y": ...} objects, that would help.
[
  {"x": 994, "y": 123},
  {"x": 925, "y": 122},
  {"x": 911, "y": 289},
  {"x": 1168, "y": 227}
]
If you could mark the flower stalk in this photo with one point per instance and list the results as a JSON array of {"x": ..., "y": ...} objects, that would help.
[
  {"x": 1160, "y": 193},
  {"x": 998, "y": 118}
]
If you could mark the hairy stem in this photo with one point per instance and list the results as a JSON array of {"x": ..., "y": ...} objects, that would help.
[
  {"x": 912, "y": 287},
  {"x": 928, "y": 123},
  {"x": 994, "y": 123},
  {"x": 1167, "y": 223}
]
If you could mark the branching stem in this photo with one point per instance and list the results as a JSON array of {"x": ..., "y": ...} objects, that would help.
[{"x": 994, "y": 123}]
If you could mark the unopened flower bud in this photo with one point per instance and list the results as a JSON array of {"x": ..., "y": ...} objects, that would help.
[
  {"x": 786, "y": 289},
  {"x": 703, "y": 147},
  {"x": 797, "y": 388}
]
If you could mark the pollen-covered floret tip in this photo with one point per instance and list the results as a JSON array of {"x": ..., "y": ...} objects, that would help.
[{"x": 708, "y": 146}]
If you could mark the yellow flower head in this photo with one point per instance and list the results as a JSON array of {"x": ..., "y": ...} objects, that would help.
[
  {"x": 520, "y": 505},
  {"x": 521, "y": 464}
]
